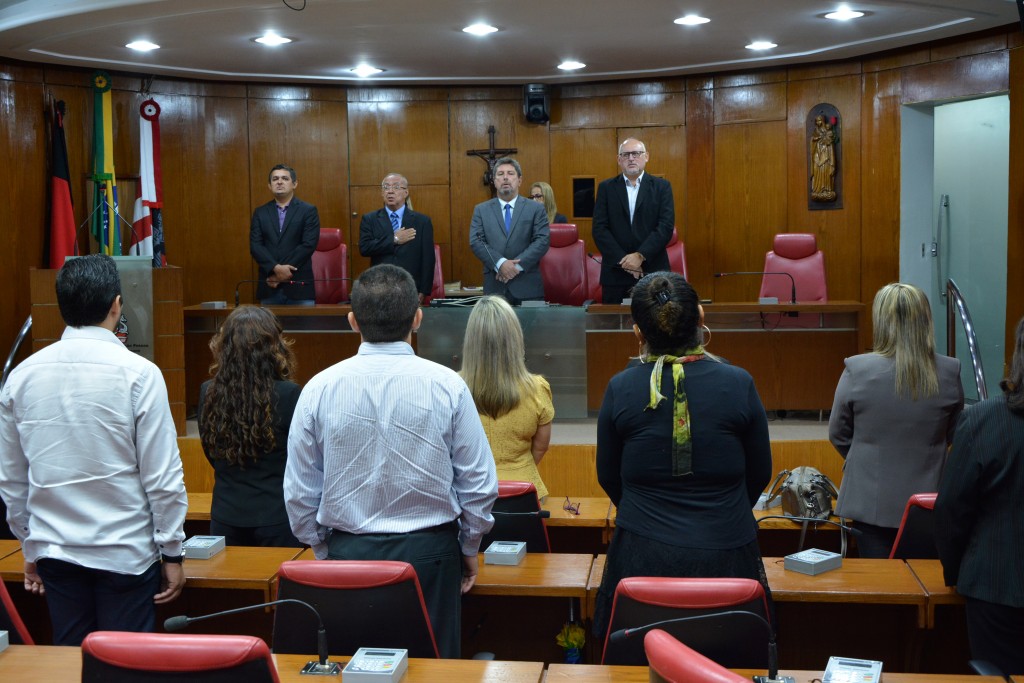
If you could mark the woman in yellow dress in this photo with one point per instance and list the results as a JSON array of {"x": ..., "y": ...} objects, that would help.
[{"x": 515, "y": 406}]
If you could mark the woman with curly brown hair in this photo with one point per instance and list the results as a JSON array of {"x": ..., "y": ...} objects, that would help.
[{"x": 244, "y": 414}]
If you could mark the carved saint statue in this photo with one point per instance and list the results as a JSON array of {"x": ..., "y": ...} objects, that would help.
[{"x": 823, "y": 161}]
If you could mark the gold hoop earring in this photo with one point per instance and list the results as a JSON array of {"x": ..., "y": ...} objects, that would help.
[
  {"x": 640, "y": 353},
  {"x": 707, "y": 339}
]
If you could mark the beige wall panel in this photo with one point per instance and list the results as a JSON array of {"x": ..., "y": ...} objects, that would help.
[
  {"x": 750, "y": 103},
  {"x": 837, "y": 230},
  {"x": 403, "y": 137},
  {"x": 750, "y": 203}
]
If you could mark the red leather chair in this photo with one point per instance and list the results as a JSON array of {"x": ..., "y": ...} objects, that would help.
[
  {"x": 736, "y": 635},
  {"x": 798, "y": 255},
  {"x": 330, "y": 262},
  {"x": 563, "y": 267},
  {"x": 362, "y": 603},
  {"x": 677, "y": 254},
  {"x": 916, "y": 537},
  {"x": 10, "y": 620},
  {"x": 673, "y": 662},
  {"x": 594, "y": 278},
  {"x": 116, "y": 657},
  {"x": 517, "y": 497},
  {"x": 437, "y": 290}
]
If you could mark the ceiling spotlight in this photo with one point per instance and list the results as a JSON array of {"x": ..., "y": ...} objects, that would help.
[
  {"x": 844, "y": 13},
  {"x": 272, "y": 39},
  {"x": 479, "y": 29},
  {"x": 365, "y": 70},
  {"x": 691, "y": 20},
  {"x": 570, "y": 65},
  {"x": 761, "y": 45},
  {"x": 142, "y": 45}
]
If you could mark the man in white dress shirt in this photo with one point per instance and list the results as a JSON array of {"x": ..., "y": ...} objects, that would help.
[
  {"x": 89, "y": 468},
  {"x": 387, "y": 459}
]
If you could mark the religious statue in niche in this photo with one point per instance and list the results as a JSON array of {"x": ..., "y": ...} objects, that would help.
[{"x": 823, "y": 156}]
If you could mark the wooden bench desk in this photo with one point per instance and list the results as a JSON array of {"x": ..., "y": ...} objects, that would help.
[
  {"x": 929, "y": 575},
  {"x": 590, "y": 673},
  {"x": 538, "y": 575},
  {"x": 594, "y": 511},
  {"x": 47, "y": 663},
  {"x": 9, "y": 547},
  {"x": 199, "y": 506}
]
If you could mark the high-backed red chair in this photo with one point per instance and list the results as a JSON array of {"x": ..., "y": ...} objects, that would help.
[
  {"x": 594, "y": 278},
  {"x": 362, "y": 604},
  {"x": 796, "y": 254},
  {"x": 10, "y": 620},
  {"x": 518, "y": 497},
  {"x": 330, "y": 262},
  {"x": 437, "y": 290},
  {"x": 677, "y": 254},
  {"x": 116, "y": 657},
  {"x": 916, "y": 536},
  {"x": 563, "y": 267},
  {"x": 673, "y": 662},
  {"x": 736, "y": 634}
]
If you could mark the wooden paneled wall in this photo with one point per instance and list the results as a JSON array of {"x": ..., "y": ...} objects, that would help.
[{"x": 733, "y": 145}]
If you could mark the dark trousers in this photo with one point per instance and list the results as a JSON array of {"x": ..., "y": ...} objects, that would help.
[
  {"x": 82, "y": 600},
  {"x": 996, "y": 633},
  {"x": 874, "y": 541},
  {"x": 273, "y": 535},
  {"x": 614, "y": 294},
  {"x": 435, "y": 555}
]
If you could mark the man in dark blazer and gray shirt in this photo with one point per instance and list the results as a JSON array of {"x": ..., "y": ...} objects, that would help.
[
  {"x": 509, "y": 234},
  {"x": 633, "y": 219},
  {"x": 282, "y": 238},
  {"x": 398, "y": 235}
]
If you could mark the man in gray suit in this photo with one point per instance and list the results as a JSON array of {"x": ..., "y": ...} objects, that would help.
[{"x": 509, "y": 234}]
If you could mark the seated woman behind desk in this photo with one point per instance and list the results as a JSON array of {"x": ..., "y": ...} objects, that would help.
[
  {"x": 244, "y": 414},
  {"x": 894, "y": 414},
  {"x": 515, "y": 407},
  {"x": 682, "y": 451}
]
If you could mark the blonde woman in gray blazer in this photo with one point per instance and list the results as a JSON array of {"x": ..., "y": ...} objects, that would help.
[{"x": 893, "y": 418}]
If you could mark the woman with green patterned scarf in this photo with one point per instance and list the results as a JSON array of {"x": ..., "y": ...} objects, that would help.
[{"x": 682, "y": 451}]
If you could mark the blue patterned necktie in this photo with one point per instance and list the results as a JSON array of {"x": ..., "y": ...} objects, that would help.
[
  {"x": 508, "y": 219},
  {"x": 394, "y": 222}
]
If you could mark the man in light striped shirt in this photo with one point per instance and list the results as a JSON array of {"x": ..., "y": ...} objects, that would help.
[{"x": 387, "y": 459}]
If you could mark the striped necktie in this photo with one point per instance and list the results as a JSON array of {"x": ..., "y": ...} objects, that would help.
[{"x": 394, "y": 222}]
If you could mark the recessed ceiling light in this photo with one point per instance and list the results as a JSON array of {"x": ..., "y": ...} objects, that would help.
[
  {"x": 365, "y": 70},
  {"x": 844, "y": 13},
  {"x": 761, "y": 45},
  {"x": 142, "y": 45},
  {"x": 570, "y": 65},
  {"x": 691, "y": 20},
  {"x": 479, "y": 29},
  {"x": 272, "y": 39}
]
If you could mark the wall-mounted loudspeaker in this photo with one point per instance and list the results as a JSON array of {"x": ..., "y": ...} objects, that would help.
[{"x": 536, "y": 103}]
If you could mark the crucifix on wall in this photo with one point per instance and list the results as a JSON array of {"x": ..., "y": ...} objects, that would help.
[{"x": 490, "y": 155}]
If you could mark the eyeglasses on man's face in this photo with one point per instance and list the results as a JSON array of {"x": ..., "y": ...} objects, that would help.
[
  {"x": 395, "y": 186},
  {"x": 632, "y": 155}
]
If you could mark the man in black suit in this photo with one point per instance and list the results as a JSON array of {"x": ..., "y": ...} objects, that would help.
[
  {"x": 633, "y": 220},
  {"x": 398, "y": 235},
  {"x": 282, "y": 239}
]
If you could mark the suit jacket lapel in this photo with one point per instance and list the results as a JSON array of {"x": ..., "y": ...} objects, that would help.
[
  {"x": 645, "y": 191},
  {"x": 289, "y": 214},
  {"x": 620, "y": 193}
]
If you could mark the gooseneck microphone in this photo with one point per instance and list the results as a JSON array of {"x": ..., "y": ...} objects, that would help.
[
  {"x": 624, "y": 634},
  {"x": 792, "y": 282},
  {"x": 323, "y": 666}
]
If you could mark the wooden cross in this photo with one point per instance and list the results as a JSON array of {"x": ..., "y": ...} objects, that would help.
[{"x": 490, "y": 155}]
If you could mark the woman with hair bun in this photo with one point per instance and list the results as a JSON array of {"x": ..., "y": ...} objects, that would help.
[
  {"x": 244, "y": 414},
  {"x": 682, "y": 451}
]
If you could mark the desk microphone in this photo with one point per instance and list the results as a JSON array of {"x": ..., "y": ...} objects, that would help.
[
  {"x": 763, "y": 273},
  {"x": 543, "y": 514},
  {"x": 624, "y": 634},
  {"x": 321, "y": 667},
  {"x": 287, "y": 282},
  {"x": 614, "y": 265},
  {"x": 804, "y": 521}
]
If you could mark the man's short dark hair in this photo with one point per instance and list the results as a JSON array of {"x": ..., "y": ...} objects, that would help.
[
  {"x": 509, "y": 161},
  {"x": 384, "y": 303},
  {"x": 282, "y": 167},
  {"x": 86, "y": 289}
]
